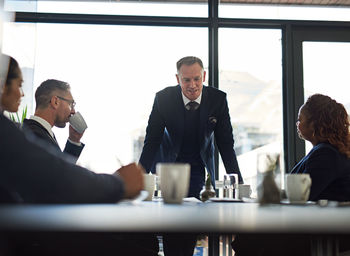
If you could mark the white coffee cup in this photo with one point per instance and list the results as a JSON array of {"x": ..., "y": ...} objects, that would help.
[
  {"x": 244, "y": 190},
  {"x": 149, "y": 181},
  {"x": 298, "y": 187},
  {"x": 174, "y": 181},
  {"x": 77, "y": 122}
]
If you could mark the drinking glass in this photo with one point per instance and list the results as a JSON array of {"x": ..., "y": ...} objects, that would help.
[{"x": 231, "y": 185}]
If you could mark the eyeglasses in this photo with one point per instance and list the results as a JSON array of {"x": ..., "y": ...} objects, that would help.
[{"x": 72, "y": 103}]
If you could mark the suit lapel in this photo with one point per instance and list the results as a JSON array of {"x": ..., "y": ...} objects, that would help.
[
  {"x": 179, "y": 112},
  {"x": 203, "y": 114},
  {"x": 44, "y": 131},
  {"x": 53, "y": 139}
]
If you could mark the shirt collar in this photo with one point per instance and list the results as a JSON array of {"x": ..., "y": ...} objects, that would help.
[
  {"x": 44, "y": 123},
  {"x": 186, "y": 100}
]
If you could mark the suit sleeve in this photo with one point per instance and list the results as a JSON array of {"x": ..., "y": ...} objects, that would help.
[
  {"x": 73, "y": 150},
  {"x": 225, "y": 142},
  {"x": 41, "y": 176},
  {"x": 154, "y": 136}
]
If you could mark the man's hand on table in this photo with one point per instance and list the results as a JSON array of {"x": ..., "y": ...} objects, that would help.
[{"x": 132, "y": 175}]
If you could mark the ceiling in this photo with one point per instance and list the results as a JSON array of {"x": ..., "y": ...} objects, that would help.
[
  {"x": 340, "y": 3},
  {"x": 329, "y": 3},
  {"x": 293, "y": 2}
]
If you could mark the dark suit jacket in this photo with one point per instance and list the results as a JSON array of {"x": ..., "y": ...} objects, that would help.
[
  {"x": 40, "y": 131},
  {"x": 329, "y": 171},
  {"x": 165, "y": 130},
  {"x": 39, "y": 176}
]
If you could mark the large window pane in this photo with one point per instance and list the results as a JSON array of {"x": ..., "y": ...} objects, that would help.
[
  {"x": 123, "y": 7},
  {"x": 326, "y": 71},
  {"x": 114, "y": 72},
  {"x": 19, "y": 42},
  {"x": 251, "y": 75}
]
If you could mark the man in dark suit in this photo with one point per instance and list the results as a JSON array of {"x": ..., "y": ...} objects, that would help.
[
  {"x": 54, "y": 106},
  {"x": 184, "y": 120}
]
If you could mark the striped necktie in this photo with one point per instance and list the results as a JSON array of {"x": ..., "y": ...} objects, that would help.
[{"x": 192, "y": 105}]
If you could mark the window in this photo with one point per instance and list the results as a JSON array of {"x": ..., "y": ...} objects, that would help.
[
  {"x": 114, "y": 72},
  {"x": 123, "y": 7},
  {"x": 251, "y": 75},
  {"x": 232, "y": 50},
  {"x": 284, "y": 12},
  {"x": 326, "y": 71}
]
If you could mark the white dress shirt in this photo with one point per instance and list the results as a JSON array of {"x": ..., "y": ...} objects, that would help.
[{"x": 186, "y": 100}]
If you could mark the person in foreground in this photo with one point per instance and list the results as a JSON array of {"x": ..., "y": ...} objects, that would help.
[
  {"x": 54, "y": 106},
  {"x": 325, "y": 123},
  {"x": 181, "y": 128},
  {"x": 30, "y": 174}
]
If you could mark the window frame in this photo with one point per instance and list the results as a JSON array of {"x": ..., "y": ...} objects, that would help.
[{"x": 294, "y": 32}]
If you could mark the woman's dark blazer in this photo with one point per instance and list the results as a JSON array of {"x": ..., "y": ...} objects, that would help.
[{"x": 329, "y": 171}]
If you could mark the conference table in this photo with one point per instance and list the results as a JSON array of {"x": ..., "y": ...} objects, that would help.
[{"x": 323, "y": 224}]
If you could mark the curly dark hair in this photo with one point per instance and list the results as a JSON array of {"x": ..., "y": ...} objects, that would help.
[{"x": 331, "y": 121}]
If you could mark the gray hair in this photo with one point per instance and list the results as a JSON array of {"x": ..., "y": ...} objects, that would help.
[
  {"x": 47, "y": 89},
  {"x": 188, "y": 61}
]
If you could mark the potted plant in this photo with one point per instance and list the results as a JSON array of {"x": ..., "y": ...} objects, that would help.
[{"x": 17, "y": 119}]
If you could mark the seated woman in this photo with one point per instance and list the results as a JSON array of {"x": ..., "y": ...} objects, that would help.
[{"x": 324, "y": 122}]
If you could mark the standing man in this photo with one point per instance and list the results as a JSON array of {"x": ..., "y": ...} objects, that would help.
[
  {"x": 181, "y": 127},
  {"x": 183, "y": 122},
  {"x": 54, "y": 106}
]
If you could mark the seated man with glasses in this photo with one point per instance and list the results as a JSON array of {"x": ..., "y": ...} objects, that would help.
[{"x": 54, "y": 106}]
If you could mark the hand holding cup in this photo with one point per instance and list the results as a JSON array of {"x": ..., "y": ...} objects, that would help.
[{"x": 77, "y": 122}]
